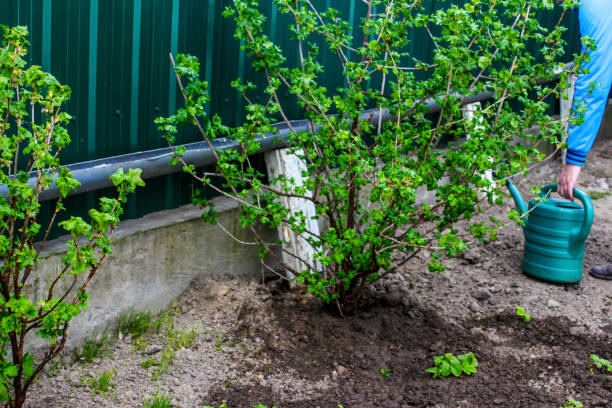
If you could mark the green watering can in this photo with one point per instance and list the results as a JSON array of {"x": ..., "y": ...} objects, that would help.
[{"x": 555, "y": 234}]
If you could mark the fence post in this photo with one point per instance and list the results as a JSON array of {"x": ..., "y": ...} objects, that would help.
[{"x": 291, "y": 166}]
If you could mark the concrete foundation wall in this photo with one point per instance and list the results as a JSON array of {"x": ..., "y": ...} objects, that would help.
[{"x": 153, "y": 261}]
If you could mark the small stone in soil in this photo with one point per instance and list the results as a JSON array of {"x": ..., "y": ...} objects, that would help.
[
  {"x": 553, "y": 304},
  {"x": 482, "y": 294},
  {"x": 150, "y": 350},
  {"x": 476, "y": 331},
  {"x": 224, "y": 290},
  {"x": 600, "y": 402},
  {"x": 577, "y": 330},
  {"x": 472, "y": 256},
  {"x": 473, "y": 306}
]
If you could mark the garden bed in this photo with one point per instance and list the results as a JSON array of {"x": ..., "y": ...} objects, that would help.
[{"x": 246, "y": 342}]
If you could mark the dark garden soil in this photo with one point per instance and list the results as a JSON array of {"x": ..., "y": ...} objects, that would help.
[
  {"x": 261, "y": 343},
  {"x": 536, "y": 364},
  {"x": 415, "y": 316}
]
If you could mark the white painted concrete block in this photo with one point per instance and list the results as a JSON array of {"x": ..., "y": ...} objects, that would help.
[{"x": 281, "y": 162}]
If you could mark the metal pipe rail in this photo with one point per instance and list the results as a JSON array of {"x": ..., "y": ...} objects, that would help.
[{"x": 94, "y": 174}]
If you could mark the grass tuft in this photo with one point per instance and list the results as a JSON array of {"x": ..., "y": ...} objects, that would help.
[
  {"x": 133, "y": 323},
  {"x": 101, "y": 384},
  {"x": 596, "y": 195},
  {"x": 93, "y": 347},
  {"x": 160, "y": 400},
  {"x": 173, "y": 340}
]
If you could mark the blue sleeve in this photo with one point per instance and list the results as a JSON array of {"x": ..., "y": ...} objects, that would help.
[{"x": 592, "y": 86}]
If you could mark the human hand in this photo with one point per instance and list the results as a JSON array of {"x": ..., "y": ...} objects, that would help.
[{"x": 568, "y": 180}]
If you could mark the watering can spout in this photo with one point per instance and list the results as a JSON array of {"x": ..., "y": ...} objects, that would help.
[{"x": 518, "y": 198}]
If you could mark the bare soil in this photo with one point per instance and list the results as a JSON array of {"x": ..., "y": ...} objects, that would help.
[{"x": 263, "y": 343}]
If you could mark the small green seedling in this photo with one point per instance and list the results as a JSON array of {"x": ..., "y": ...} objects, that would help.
[
  {"x": 449, "y": 364},
  {"x": 572, "y": 404},
  {"x": 160, "y": 400},
  {"x": 101, "y": 384},
  {"x": 385, "y": 372},
  {"x": 133, "y": 323},
  {"x": 93, "y": 347},
  {"x": 520, "y": 312},
  {"x": 600, "y": 363},
  {"x": 149, "y": 362}
]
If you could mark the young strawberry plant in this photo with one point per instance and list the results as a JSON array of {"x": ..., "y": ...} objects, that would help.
[
  {"x": 520, "y": 312},
  {"x": 572, "y": 404},
  {"x": 32, "y": 136},
  {"x": 385, "y": 372},
  {"x": 373, "y": 144},
  {"x": 601, "y": 363},
  {"x": 449, "y": 364}
]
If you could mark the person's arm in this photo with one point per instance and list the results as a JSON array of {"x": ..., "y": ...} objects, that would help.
[{"x": 591, "y": 91}]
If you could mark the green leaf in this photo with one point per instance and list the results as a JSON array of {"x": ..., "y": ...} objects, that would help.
[
  {"x": 10, "y": 371},
  {"x": 4, "y": 396},
  {"x": 362, "y": 174},
  {"x": 76, "y": 226},
  {"x": 28, "y": 364},
  {"x": 66, "y": 183},
  {"x": 445, "y": 369}
]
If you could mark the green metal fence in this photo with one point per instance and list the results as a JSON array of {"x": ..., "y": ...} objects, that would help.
[{"x": 114, "y": 56}]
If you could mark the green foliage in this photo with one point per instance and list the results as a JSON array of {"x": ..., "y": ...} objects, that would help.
[
  {"x": 601, "y": 362},
  {"x": 385, "y": 372},
  {"x": 32, "y": 136},
  {"x": 94, "y": 347},
  {"x": 449, "y": 364},
  {"x": 596, "y": 195},
  {"x": 101, "y": 384},
  {"x": 219, "y": 339},
  {"x": 164, "y": 319},
  {"x": 160, "y": 400},
  {"x": 149, "y": 362},
  {"x": 520, "y": 312},
  {"x": 128, "y": 323},
  {"x": 572, "y": 404},
  {"x": 173, "y": 339},
  {"x": 363, "y": 171},
  {"x": 133, "y": 323}
]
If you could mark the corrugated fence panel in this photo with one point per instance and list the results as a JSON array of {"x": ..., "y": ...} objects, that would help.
[
  {"x": 114, "y": 56},
  {"x": 69, "y": 63}
]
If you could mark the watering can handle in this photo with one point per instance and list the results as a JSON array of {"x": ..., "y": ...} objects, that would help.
[{"x": 583, "y": 233}]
